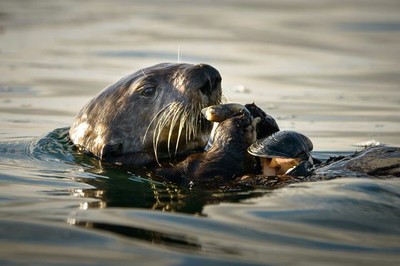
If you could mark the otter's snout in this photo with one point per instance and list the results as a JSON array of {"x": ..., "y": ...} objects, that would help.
[{"x": 208, "y": 78}]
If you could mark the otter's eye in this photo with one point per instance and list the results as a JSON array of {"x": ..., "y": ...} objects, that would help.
[{"x": 149, "y": 91}]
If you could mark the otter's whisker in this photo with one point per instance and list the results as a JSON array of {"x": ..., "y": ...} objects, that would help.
[
  {"x": 181, "y": 126},
  {"x": 159, "y": 115},
  {"x": 143, "y": 72},
  {"x": 175, "y": 116},
  {"x": 222, "y": 99},
  {"x": 193, "y": 126},
  {"x": 154, "y": 118},
  {"x": 187, "y": 128},
  {"x": 179, "y": 53},
  {"x": 197, "y": 119},
  {"x": 162, "y": 122}
]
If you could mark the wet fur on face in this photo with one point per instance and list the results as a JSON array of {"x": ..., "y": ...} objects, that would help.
[{"x": 149, "y": 116}]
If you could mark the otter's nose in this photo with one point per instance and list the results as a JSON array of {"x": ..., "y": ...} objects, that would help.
[{"x": 211, "y": 79}]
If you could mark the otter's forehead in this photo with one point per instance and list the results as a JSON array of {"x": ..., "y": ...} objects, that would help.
[
  {"x": 181, "y": 76},
  {"x": 164, "y": 69},
  {"x": 157, "y": 73}
]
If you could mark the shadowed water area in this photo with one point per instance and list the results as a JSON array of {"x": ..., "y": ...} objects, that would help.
[{"x": 328, "y": 69}]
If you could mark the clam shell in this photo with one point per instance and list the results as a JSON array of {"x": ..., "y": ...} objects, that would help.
[{"x": 282, "y": 144}]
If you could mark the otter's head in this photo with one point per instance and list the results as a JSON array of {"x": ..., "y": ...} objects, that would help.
[{"x": 151, "y": 115}]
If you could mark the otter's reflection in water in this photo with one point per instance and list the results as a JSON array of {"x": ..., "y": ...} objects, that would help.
[{"x": 122, "y": 188}]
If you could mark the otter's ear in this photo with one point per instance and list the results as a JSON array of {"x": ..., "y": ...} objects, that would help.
[{"x": 112, "y": 150}]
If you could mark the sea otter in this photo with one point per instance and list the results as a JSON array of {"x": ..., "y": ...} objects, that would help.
[
  {"x": 150, "y": 116},
  {"x": 155, "y": 116}
]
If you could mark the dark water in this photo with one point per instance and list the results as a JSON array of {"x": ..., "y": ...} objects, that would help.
[
  {"x": 59, "y": 206},
  {"x": 329, "y": 69}
]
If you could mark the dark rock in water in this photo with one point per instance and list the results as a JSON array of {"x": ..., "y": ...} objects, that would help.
[{"x": 378, "y": 161}]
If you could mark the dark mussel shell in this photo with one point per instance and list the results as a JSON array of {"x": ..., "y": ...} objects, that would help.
[{"x": 282, "y": 144}]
